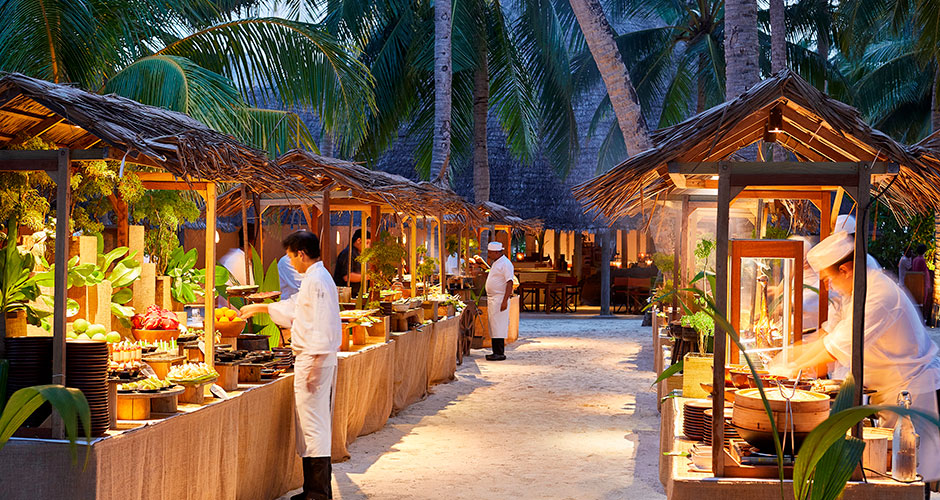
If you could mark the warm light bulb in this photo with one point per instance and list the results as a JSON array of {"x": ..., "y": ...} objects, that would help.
[
  {"x": 337, "y": 238},
  {"x": 216, "y": 236}
]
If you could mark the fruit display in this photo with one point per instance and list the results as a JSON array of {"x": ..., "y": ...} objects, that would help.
[
  {"x": 156, "y": 318},
  {"x": 191, "y": 373},
  {"x": 225, "y": 315},
  {"x": 149, "y": 384},
  {"x": 83, "y": 330}
]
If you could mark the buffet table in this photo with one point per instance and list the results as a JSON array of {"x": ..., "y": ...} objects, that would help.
[
  {"x": 411, "y": 366},
  {"x": 483, "y": 324},
  {"x": 242, "y": 447},
  {"x": 442, "y": 358},
  {"x": 364, "y": 389},
  {"x": 683, "y": 483}
]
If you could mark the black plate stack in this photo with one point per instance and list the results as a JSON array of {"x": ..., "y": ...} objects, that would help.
[
  {"x": 30, "y": 364},
  {"x": 730, "y": 430},
  {"x": 386, "y": 308},
  {"x": 86, "y": 369}
]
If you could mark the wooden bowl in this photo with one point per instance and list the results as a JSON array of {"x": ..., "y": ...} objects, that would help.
[
  {"x": 231, "y": 328},
  {"x": 155, "y": 335}
]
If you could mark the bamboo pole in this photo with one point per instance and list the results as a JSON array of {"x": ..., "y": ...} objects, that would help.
[
  {"x": 441, "y": 252},
  {"x": 210, "y": 274},
  {"x": 245, "y": 239},
  {"x": 326, "y": 243},
  {"x": 413, "y": 254},
  {"x": 63, "y": 217},
  {"x": 364, "y": 270}
]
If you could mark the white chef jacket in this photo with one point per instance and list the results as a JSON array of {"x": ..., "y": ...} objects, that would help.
[
  {"x": 898, "y": 356},
  {"x": 316, "y": 330},
  {"x": 234, "y": 262},
  {"x": 500, "y": 273},
  {"x": 288, "y": 277}
]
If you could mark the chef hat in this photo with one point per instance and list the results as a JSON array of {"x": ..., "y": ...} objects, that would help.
[
  {"x": 495, "y": 246},
  {"x": 844, "y": 223},
  {"x": 835, "y": 248}
]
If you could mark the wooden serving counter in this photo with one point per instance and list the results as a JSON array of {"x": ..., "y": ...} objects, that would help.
[{"x": 683, "y": 482}]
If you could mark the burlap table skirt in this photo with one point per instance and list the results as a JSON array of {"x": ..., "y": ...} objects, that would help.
[
  {"x": 442, "y": 359},
  {"x": 235, "y": 449},
  {"x": 364, "y": 389},
  {"x": 411, "y": 367}
]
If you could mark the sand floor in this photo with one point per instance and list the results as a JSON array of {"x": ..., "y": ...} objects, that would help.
[{"x": 570, "y": 415}]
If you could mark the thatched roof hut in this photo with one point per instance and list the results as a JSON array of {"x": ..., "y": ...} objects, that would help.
[
  {"x": 500, "y": 215},
  {"x": 76, "y": 119},
  {"x": 784, "y": 108}
]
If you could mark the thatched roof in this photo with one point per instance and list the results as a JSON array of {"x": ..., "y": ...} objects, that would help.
[
  {"x": 77, "y": 119},
  {"x": 498, "y": 214},
  {"x": 815, "y": 128},
  {"x": 317, "y": 173}
]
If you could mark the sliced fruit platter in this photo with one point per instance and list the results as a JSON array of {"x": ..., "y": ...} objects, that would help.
[
  {"x": 192, "y": 374},
  {"x": 356, "y": 314},
  {"x": 149, "y": 384}
]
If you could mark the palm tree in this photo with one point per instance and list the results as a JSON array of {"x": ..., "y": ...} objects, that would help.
[
  {"x": 742, "y": 49},
  {"x": 778, "y": 36},
  {"x": 199, "y": 57},
  {"x": 440, "y": 154},
  {"x": 601, "y": 41}
]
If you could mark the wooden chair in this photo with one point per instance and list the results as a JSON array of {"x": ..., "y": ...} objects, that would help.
[
  {"x": 620, "y": 293},
  {"x": 572, "y": 293},
  {"x": 638, "y": 290},
  {"x": 530, "y": 287}
]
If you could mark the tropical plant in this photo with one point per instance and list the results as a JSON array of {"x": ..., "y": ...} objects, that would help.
[
  {"x": 383, "y": 256},
  {"x": 17, "y": 287},
  {"x": 69, "y": 402},
  {"x": 188, "y": 283},
  {"x": 198, "y": 57},
  {"x": 425, "y": 269},
  {"x": 163, "y": 212},
  {"x": 267, "y": 282}
]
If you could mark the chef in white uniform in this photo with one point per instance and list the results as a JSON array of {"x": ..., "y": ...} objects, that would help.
[
  {"x": 313, "y": 317},
  {"x": 898, "y": 353},
  {"x": 498, "y": 293}
]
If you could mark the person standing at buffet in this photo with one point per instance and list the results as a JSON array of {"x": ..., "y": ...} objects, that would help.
[
  {"x": 899, "y": 355},
  {"x": 346, "y": 273},
  {"x": 498, "y": 292},
  {"x": 288, "y": 277},
  {"x": 313, "y": 317}
]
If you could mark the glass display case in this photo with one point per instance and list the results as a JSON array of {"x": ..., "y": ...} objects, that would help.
[{"x": 766, "y": 297}]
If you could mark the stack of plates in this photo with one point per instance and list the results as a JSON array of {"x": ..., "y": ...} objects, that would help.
[
  {"x": 30, "y": 364},
  {"x": 86, "y": 369},
  {"x": 693, "y": 420},
  {"x": 730, "y": 431}
]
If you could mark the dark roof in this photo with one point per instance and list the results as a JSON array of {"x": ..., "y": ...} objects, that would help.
[
  {"x": 814, "y": 127},
  {"x": 74, "y": 118}
]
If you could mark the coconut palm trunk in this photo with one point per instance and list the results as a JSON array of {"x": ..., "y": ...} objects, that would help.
[
  {"x": 600, "y": 39},
  {"x": 778, "y": 36},
  {"x": 934, "y": 127},
  {"x": 481, "y": 103},
  {"x": 742, "y": 70},
  {"x": 442, "y": 84}
]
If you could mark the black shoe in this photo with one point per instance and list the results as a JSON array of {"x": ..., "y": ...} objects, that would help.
[
  {"x": 495, "y": 357},
  {"x": 299, "y": 496}
]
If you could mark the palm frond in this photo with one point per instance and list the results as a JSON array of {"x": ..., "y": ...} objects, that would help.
[
  {"x": 277, "y": 132},
  {"x": 300, "y": 62},
  {"x": 176, "y": 83}
]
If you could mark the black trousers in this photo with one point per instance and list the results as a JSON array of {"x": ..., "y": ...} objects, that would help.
[
  {"x": 318, "y": 473},
  {"x": 499, "y": 346}
]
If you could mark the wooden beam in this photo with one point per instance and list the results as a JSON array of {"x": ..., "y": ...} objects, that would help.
[
  {"x": 854, "y": 149},
  {"x": 326, "y": 231},
  {"x": 37, "y": 129},
  {"x": 210, "y": 275},
  {"x": 721, "y": 303},
  {"x": 62, "y": 233},
  {"x": 31, "y": 160},
  {"x": 783, "y": 167},
  {"x": 442, "y": 254},
  {"x": 243, "y": 195},
  {"x": 678, "y": 179},
  {"x": 860, "y": 289},
  {"x": 176, "y": 186},
  {"x": 744, "y": 128}
]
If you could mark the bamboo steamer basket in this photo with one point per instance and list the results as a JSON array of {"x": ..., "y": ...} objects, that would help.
[{"x": 809, "y": 410}]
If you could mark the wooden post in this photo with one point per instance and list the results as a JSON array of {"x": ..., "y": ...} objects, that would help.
[
  {"x": 363, "y": 298},
  {"x": 721, "y": 302},
  {"x": 442, "y": 253},
  {"x": 413, "y": 254},
  {"x": 245, "y": 238},
  {"x": 825, "y": 229},
  {"x": 63, "y": 218},
  {"x": 556, "y": 250},
  {"x": 578, "y": 254},
  {"x": 836, "y": 207},
  {"x": 859, "y": 287},
  {"x": 606, "y": 241},
  {"x": 209, "y": 319},
  {"x": 259, "y": 238},
  {"x": 677, "y": 255},
  {"x": 326, "y": 231}
]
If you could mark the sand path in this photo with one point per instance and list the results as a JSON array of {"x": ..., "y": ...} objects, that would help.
[{"x": 570, "y": 415}]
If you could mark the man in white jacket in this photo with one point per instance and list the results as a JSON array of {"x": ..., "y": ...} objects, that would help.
[{"x": 313, "y": 317}]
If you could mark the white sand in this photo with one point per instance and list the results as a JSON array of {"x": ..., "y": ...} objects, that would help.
[{"x": 570, "y": 415}]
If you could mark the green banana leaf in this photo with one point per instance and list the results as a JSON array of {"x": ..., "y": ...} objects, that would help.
[
  {"x": 4, "y": 375},
  {"x": 268, "y": 281},
  {"x": 70, "y": 403},
  {"x": 668, "y": 372}
]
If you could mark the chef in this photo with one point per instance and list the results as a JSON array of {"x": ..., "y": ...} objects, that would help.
[
  {"x": 899, "y": 355},
  {"x": 313, "y": 316},
  {"x": 498, "y": 293}
]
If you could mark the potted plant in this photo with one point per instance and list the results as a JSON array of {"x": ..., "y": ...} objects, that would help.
[
  {"x": 17, "y": 286},
  {"x": 700, "y": 326},
  {"x": 383, "y": 256},
  {"x": 425, "y": 269}
]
